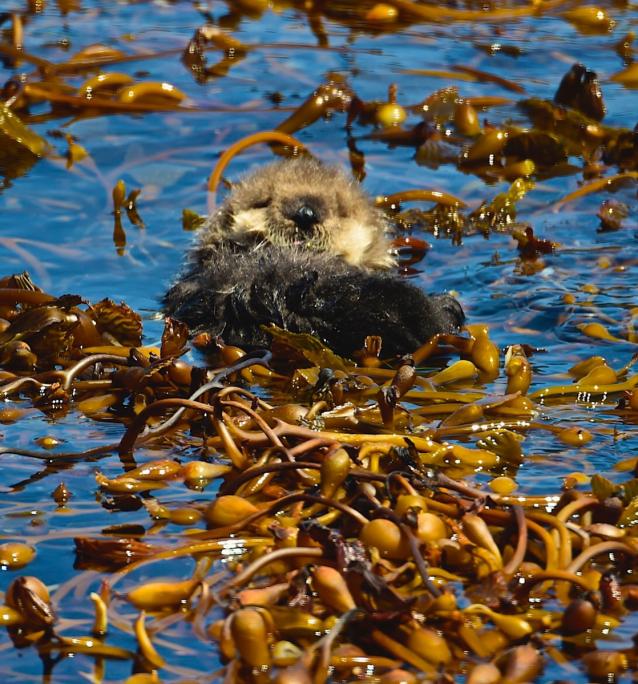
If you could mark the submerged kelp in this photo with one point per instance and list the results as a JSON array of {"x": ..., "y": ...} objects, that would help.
[{"x": 467, "y": 511}]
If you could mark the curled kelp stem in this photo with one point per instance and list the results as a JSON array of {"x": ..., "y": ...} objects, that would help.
[
  {"x": 325, "y": 644},
  {"x": 260, "y": 422},
  {"x": 518, "y": 556},
  {"x": 444, "y": 198},
  {"x": 594, "y": 186},
  {"x": 69, "y": 374},
  {"x": 256, "y": 471},
  {"x": 598, "y": 549},
  {"x": 553, "y": 574},
  {"x": 19, "y": 383},
  {"x": 266, "y": 559},
  {"x": 439, "y": 13},
  {"x": 419, "y": 561},
  {"x": 560, "y": 535},
  {"x": 242, "y": 144},
  {"x": 259, "y": 358},
  {"x": 88, "y": 454},
  {"x": 127, "y": 442},
  {"x": 101, "y": 103},
  {"x": 487, "y": 77},
  {"x": 283, "y": 502}
]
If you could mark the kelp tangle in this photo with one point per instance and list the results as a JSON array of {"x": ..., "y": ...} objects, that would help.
[
  {"x": 332, "y": 533},
  {"x": 296, "y": 516}
]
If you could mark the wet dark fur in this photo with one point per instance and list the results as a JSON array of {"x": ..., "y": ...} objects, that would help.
[{"x": 232, "y": 286}]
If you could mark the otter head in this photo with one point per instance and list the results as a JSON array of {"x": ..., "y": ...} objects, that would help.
[{"x": 302, "y": 203}]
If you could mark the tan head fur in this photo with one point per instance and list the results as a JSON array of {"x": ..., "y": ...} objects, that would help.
[{"x": 301, "y": 202}]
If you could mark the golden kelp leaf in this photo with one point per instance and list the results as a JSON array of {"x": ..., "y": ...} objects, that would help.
[
  {"x": 9, "y": 616},
  {"x": 429, "y": 645},
  {"x": 250, "y": 634},
  {"x": 110, "y": 82},
  {"x": 440, "y": 105},
  {"x": 630, "y": 489},
  {"x": 390, "y": 114},
  {"x": 152, "y": 92},
  {"x": 294, "y": 623},
  {"x": 95, "y": 54},
  {"x": 308, "y": 346},
  {"x": 191, "y": 220},
  {"x": 119, "y": 321},
  {"x": 14, "y": 555},
  {"x": 228, "y": 510},
  {"x": 590, "y": 17},
  {"x": 158, "y": 471},
  {"x": 458, "y": 371},
  {"x": 124, "y": 485},
  {"x": 598, "y": 331},
  {"x": 504, "y": 443},
  {"x": 503, "y": 485},
  {"x": 332, "y": 589},
  {"x": 501, "y": 211},
  {"x": 382, "y": 13},
  {"x": 195, "y": 471},
  {"x": 601, "y": 487},
  {"x": 629, "y": 516},
  {"x": 628, "y": 77},
  {"x": 490, "y": 144},
  {"x": 97, "y": 403},
  {"x": 574, "y": 436},
  {"x": 583, "y": 368},
  {"x": 14, "y": 133},
  {"x": 75, "y": 153}
]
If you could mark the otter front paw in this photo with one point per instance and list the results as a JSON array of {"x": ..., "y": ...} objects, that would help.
[
  {"x": 343, "y": 311},
  {"x": 413, "y": 317}
]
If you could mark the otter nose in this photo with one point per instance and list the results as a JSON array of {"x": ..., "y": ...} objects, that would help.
[{"x": 305, "y": 217}]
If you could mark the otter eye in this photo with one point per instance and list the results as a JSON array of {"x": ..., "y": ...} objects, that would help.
[
  {"x": 261, "y": 204},
  {"x": 305, "y": 217}
]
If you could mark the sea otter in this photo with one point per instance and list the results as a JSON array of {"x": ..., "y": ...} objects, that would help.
[{"x": 300, "y": 245}]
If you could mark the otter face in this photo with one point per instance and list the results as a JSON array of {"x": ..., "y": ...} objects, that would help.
[{"x": 305, "y": 204}]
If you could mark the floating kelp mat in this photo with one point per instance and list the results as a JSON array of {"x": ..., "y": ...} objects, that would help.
[{"x": 179, "y": 510}]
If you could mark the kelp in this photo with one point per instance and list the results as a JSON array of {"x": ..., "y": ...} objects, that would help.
[
  {"x": 20, "y": 147},
  {"x": 351, "y": 502},
  {"x": 501, "y": 211},
  {"x": 15, "y": 133}
]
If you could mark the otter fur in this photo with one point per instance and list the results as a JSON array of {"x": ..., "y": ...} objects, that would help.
[{"x": 300, "y": 245}]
